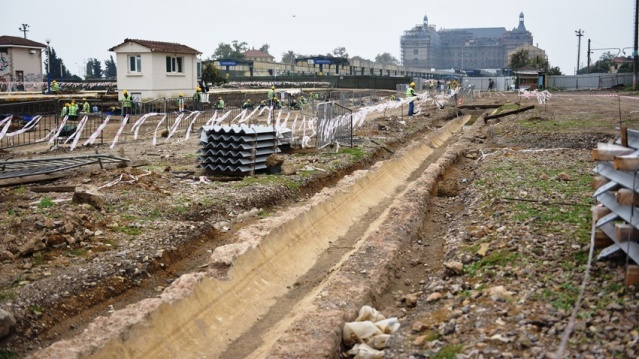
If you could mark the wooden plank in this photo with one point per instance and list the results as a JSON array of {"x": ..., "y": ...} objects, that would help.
[
  {"x": 609, "y": 152},
  {"x": 598, "y": 181},
  {"x": 42, "y": 189},
  {"x": 625, "y": 163},
  {"x": 627, "y": 197},
  {"x": 507, "y": 113},
  {"x": 18, "y": 181},
  {"x": 625, "y": 232}
]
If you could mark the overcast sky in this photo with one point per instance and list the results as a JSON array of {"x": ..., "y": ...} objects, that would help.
[{"x": 83, "y": 29}]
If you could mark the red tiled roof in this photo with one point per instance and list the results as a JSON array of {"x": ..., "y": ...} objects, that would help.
[
  {"x": 6, "y": 41},
  {"x": 256, "y": 53},
  {"x": 159, "y": 46}
]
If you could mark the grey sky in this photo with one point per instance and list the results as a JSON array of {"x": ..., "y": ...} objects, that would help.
[{"x": 83, "y": 29}]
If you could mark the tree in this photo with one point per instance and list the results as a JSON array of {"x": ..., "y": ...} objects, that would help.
[
  {"x": 110, "y": 69},
  {"x": 93, "y": 69},
  {"x": 601, "y": 66},
  {"x": 340, "y": 52},
  {"x": 519, "y": 59},
  {"x": 386, "y": 59},
  {"x": 289, "y": 57},
  {"x": 211, "y": 74},
  {"x": 232, "y": 51},
  {"x": 265, "y": 48},
  {"x": 58, "y": 69}
]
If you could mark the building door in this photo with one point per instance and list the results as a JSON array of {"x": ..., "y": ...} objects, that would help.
[{"x": 20, "y": 80}]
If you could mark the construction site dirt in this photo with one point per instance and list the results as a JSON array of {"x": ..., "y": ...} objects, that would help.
[{"x": 272, "y": 265}]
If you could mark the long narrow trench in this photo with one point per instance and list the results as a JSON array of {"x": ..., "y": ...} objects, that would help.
[{"x": 267, "y": 285}]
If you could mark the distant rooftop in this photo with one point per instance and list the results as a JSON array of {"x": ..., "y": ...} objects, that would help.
[
  {"x": 13, "y": 41},
  {"x": 159, "y": 46}
]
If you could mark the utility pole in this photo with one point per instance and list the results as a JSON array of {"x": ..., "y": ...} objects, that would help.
[
  {"x": 24, "y": 29},
  {"x": 579, "y": 33},
  {"x": 635, "y": 59},
  {"x": 588, "y": 68}
]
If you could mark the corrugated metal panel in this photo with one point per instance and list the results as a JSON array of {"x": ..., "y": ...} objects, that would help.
[{"x": 237, "y": 150}]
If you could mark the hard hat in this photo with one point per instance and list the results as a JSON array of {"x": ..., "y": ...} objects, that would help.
[
  {"x": 124, "y": 91},
  {"x": 181, "y": 95},
  {"x": 66, "y": 104},
  {"x": 84, "y": 99},
  {"x": 412, "y": 84},
  {"x": 272, "y": 87},
  {"x": 219, "y": 98},
  {"x": 198, "y": 89},
  {"x": 249, "y": 100},
  {"x": 54, "y": 81}
]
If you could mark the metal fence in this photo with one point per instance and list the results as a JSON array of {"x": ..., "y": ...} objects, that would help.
[
  {"x": 589, "y": 81},
  {"x": 334, "y": 125},
  {"x": 23, "y": 112}
]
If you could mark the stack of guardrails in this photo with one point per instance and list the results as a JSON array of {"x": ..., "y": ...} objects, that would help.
[
  {"x": 617, "y": 191},
  {"x": 236, "y": 150}
]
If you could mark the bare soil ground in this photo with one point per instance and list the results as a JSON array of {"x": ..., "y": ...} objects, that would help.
[{"x": 64, "y": 264}]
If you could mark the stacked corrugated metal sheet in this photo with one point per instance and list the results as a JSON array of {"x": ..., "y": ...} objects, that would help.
[{"x": 236, "y": 150}]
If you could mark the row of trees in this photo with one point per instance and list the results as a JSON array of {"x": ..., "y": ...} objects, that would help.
[
  {"x": 92, "y": 68},
  {"x": 235, "y": 50}
]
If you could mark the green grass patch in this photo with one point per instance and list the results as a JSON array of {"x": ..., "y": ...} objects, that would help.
[
  {"x": 563, "y": 297},
  {"x": 494, "y": 259},
  {"x": 45, "y": 202},
  {"x": 448, "y": 352},
  {"x": 132, "y": 231},
  {"x": 36, "y": 308},
  {"x": 356, "y": 153},
  {"x": 20, "y": 190},
  {"x": 7, "y": 296},
  {"x": 77, "y": 252},
  {"x": 8, "y": 354},
  {"x": 267, "y": 180}
]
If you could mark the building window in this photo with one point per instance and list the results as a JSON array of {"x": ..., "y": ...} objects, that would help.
[
  {"x": 135, "y": 63},
  {"x": 415, "y": 51},
  {"x": 173, "y": 64}
]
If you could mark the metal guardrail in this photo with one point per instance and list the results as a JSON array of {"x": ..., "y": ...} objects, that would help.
[
  {"x": 334, "y": 125},
  {"x": 50, "y": 111}
]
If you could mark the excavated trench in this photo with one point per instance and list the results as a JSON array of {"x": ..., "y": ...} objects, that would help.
[{"x": 287, "y": 283}]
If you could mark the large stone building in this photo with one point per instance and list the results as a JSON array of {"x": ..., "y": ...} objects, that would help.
[{"x": 425, "y": 47}]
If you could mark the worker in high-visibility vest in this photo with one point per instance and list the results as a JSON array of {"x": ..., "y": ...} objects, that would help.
[
  {"x": 410, "y": 96},
  {"x": 127, "y": 103},
  {"x": 220, "y": 104},
  {"x": 55, "y": 87},
  {"x": 73, "y": 111},
  {"x": 197, "y": 99},
  {"x": 86, "y": 108},
  {"x": 271, "y": 95},
  {"x": 65, "y": 110}
]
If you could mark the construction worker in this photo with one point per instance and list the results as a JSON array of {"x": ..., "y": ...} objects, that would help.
[
  {"x": 219, "y": 105},
  {"x": 247, "y": 104},
  {"x": 86, "y": 108},
  {"x": 180, "y": 102},
  {"x": 65, "y": 110},
  {"x": 277, "y": 103},
  {"x": 127, "y": 102},
  {"x": 410, "y": 96},
  {"x": 271, "y": 95},
  {"x": 73, "y": 111},
  {"x": 197, "y": 99},
  {"x": 262, "y": 103},
  {"x": 55, "y": 87}
]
